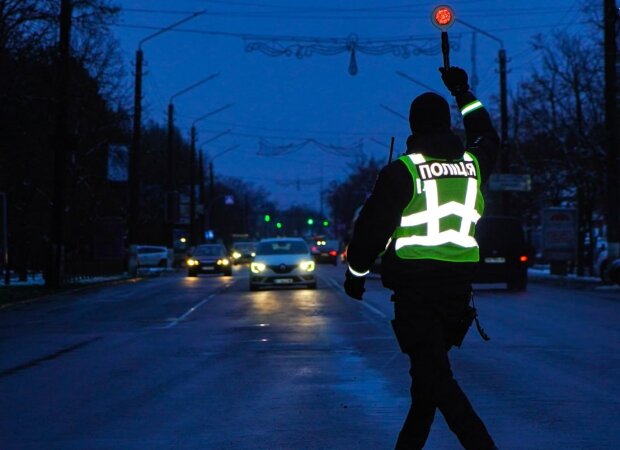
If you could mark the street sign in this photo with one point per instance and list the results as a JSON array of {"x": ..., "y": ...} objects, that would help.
[
  {"x": 559, "y": 226},
  {"x": 510, "y": 182}
]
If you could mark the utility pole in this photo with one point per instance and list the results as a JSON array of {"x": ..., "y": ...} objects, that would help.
[
  {"x": 172, "y": 195},
  {"x": 504, "y": 157},
  {"x": 171, "y": 198},
  {"x": 474, "y": 66},
  {"x": 61, "y": 140},
  {"x": 5, "y": 238},
  {"x": 505, "y": 151},
  {"x": 612, "y": 129},
  {"x": 202, "y": 196},
  {"x": 192, "y": 176},
  {"x": 192, "y": 187},
  {"x": 134, "y": 156},
  {"x": 133, "y": 214}
]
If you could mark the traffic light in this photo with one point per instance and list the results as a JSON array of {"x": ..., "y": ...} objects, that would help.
[
  {"x": 267, "y": 218},
  {"x": 325, "y": 223},
  {"x": 278, "y": 225},
  {"x": 310, "y": 221}
]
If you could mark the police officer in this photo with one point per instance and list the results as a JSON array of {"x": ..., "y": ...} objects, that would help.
[{"x": 421, "y": 217}]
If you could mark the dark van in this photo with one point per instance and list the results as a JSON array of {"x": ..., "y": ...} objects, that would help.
[{"x": 504, "y": 252}]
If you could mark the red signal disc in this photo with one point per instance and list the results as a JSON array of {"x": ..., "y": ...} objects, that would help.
[{"x": 443, "y": 16}]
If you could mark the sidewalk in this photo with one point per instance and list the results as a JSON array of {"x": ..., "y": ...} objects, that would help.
[
  {"x": 34, "y": 287},
  {"x": 541, "y": 274}
]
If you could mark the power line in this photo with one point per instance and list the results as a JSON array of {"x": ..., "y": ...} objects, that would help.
[{"x": 250, "y": 36}]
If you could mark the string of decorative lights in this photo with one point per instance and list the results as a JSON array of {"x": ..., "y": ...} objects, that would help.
[
  {"x": 267, "y": 148},
  {"x": 303, "y": 47}
]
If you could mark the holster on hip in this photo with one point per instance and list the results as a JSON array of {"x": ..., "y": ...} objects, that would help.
[{"x": 461, "y": 327}]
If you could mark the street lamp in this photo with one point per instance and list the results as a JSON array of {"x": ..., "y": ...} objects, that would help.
[
  {"x": 170, "y": 178},
  {"x": 192, "y": 169},
  {"x": 135, "y": 151},
  {"x": 504, "y": 159},
  {"x": 5, "y": 238},
  {"x": 171, "y": 197},
  {"x": 211, "y": 178},
  {"x": 201, "y": 178}
]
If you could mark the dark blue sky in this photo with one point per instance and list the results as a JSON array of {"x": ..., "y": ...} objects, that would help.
[{"x": 286, "y": 100}]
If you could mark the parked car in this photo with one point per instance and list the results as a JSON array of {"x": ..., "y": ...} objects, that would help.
[
  {"x": 613, "y": 272},
  {"x": 504, "y": 253},
  {"x": 209, "y": 258},
  {"x": 282, "y": 262},
  {"x": 151, "y": 256},
  {"x": 242, "y": 252},
  {"x": 601, "y": 260},
  {"x": 325, "y": 251}
]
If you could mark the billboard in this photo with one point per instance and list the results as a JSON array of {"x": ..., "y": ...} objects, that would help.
[{"x": 559, "y": 239}]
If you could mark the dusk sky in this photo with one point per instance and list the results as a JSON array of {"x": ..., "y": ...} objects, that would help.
[{"x": 286, "y": 101}]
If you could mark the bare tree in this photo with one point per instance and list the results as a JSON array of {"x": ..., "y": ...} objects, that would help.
[{"x": 560, "y": 127}]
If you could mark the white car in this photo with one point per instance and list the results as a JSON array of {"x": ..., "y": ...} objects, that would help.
[
  {"x": 282, "y": 262},
  {"x": 151, "y": 256}
]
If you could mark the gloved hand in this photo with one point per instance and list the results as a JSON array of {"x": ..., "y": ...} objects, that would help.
[
  {"x": 354, "y": 286},
  {"x": 455, "y": 80}
]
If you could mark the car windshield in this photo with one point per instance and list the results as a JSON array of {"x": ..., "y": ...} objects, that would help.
[
  {"x": 209, "y": 250},
  {"x": 500, "y": 232},
  {"x": 244, "y": 247},
  {"x": 282, "y": 248}
]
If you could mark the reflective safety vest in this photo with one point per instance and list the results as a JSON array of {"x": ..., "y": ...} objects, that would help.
[{"x": 439, "y": 221}]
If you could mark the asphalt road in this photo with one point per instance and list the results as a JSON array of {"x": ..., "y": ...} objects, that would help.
[{"x": 180, "y": 363}]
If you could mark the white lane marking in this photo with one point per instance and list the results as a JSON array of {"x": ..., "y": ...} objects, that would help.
[
  {"x": 365, "y": 304},
  {"x": 190, "y": 311}
]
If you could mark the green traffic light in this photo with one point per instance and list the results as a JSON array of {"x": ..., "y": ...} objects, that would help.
[
  {"x": 326, "y": 223},
  {"x": 278, "y": 225},
  {"x": 267, "y": 218},
  {"x": 310, "y": 221}
]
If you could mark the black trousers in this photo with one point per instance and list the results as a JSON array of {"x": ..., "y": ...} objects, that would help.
[{"x": 424, "y": 325}]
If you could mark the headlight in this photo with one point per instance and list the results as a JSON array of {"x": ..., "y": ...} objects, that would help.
[
  {"x": 192, "y": 262},
  {"x": 308, "y": 266},
  {"x": 223, "y": 262},
  {"x": 252, "y": 254},
  {"x": 236, "y": 255},
  {"x": 257, "y": 267}
]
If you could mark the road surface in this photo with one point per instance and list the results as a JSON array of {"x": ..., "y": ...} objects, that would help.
[{"x": 202, "y": 363}]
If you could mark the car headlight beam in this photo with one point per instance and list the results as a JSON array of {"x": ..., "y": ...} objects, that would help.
[
  {"x": 257, "y": 267},
  {"x": 308, "y": 266},
  {"x": 192, "y": 262}
]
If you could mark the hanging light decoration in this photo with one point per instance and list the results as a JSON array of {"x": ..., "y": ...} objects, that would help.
[{"x": 304, "y": 47}]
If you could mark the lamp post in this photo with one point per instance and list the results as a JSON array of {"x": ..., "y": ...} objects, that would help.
[
  {"x": 504, "y": 156},
  {"x": 202, "y": 184},
  {"x": 212, "y": 180},
  {"x": 172, "y": 204},
  {"x": 192, "y": 171},
  {"x": 135, "y": 151},
  {"x": 60, "y": 142},
  {"x": 5, "y": 238}
]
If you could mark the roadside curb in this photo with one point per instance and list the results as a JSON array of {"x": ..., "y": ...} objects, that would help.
[
  {"x": 72, "y": 290},
  {"x": 570, "y": 282}
]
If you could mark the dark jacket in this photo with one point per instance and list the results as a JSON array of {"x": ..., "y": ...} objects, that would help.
[{"x": 392, "y": 192}]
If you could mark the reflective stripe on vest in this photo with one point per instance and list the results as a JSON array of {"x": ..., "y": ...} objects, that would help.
[{"x": 449, "y": 244}]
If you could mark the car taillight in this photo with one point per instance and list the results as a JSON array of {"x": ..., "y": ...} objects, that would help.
[
  {"x": 523, "y": 258},
  {"x": 314, "y": 248},
  {"x": 333, "y": 253}
]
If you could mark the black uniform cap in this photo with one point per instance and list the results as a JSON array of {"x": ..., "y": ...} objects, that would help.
[{"x": 429, "y": 113}]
